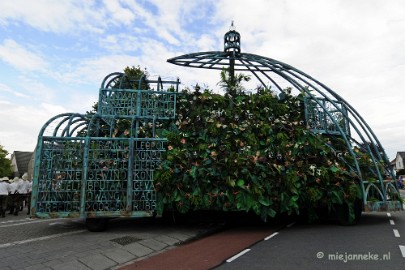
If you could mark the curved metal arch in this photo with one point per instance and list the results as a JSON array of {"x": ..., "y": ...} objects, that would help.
[
  {"x": 94, "y": 124},
  {"x": 264, "y": 68},
  {"x": 110, "y": 79},
  {"x": 119, "y": 78},
  {"x": 65, "y": 124},
  {"x": 255, "y": 63}
]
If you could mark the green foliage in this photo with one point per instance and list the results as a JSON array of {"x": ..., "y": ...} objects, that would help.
[
  {"x": 6, "y": 168},
  {"x": 232, "y": 84},
  {"x": 249, "y": 153}
]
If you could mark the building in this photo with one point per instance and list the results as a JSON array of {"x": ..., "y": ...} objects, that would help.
[
  {"x": 392, "y": 164},
  {"x": 399, "y": 161},
  {"x": 20, "y": 161}
]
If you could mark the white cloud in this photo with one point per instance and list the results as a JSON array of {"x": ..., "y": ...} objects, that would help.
[
  {"x": 118, "y": 13},
  {"x": 23, "y": 124},
  {"x": 5, "y": 88},
  {"x": 93, "y": 70},
  {"x": 19, "y": 57},
  {"x": 53, "y": 16}
]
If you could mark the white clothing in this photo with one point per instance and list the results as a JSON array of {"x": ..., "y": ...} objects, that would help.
[
  {"x": 4, "y": 188},
  {"x": 29, "y": 186},
  {"x": 13, "y": 187},
  {"x": 21, "y": 187}
]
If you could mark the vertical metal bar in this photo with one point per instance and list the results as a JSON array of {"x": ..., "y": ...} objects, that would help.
[
  {"x": 131, "y": 161},
  {"x": 84, "y": 177},
  {"x": 35, "y": 180}
]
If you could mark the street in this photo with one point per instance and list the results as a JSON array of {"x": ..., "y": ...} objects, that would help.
[{"x": 377, "y": 242}]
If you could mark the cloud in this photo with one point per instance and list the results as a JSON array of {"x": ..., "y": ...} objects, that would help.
[
  {"x": 118, "y": 13},
  {"x": 53, "y": 16},
  {"x": 23, "y": 128},
  {"x": 5, "y": 88},
  {"x": 20, "y": 58}
]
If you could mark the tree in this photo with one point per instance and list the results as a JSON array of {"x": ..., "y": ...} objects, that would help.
[
  {"x": 6, "y": 169},
  {"x": 232, "y": 84}
]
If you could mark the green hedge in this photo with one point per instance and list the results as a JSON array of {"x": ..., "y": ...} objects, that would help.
[{"x": 250, "y": 152}]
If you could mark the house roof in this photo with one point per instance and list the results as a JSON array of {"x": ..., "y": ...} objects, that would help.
[
  {"x": 401, "y": 154},
  {"x": 22, "y": 159}
]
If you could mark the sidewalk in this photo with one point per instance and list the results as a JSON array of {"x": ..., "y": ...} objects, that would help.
[{"x": 73, "y": 247}]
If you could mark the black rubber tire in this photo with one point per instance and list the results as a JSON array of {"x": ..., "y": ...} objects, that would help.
[
  {"x": 358, "y": 209},
  {"x": 96, "y": 224},
  {"x": 342, "y": 213}
]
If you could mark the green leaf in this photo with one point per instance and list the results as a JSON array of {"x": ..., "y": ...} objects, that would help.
[
  {"x": 240, "y": 183},
  {"x": 334, "y": 169},
  {"x": 264, "y": 201}
]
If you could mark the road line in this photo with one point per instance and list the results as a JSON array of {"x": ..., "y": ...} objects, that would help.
[
  {"x": 392, "y": 222},
  {"x": 396, "y": 233},
  {"x": 238, "y": 255},
  {"x": 290, "y": 225},
  {"x": 28, "y": 222},
  {"x": 270, "y": 236},
  {"x": 402, "y": 248},
  {"x": 14, "y": 220},
  {"x": 389, "y": 214},
  {"x": 39, "y": 238}
]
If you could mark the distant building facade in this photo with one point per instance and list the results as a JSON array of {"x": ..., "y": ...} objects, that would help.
[
  {"x": 399, "y": 161},
  {"x": 20, "y": 161}
]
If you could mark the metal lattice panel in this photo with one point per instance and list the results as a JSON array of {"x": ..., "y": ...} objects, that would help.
[{"x": 87, "y": 166}]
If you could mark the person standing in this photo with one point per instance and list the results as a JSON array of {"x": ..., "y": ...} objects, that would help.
[
  {"x": 4, "y": 190},
  {"x": 21, "y": 194},
  {"x": 14, "y": 196},
  {"x": 28, "y": 188}
]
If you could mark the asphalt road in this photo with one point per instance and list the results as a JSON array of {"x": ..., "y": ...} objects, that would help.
[{"x": 377, "y": 242}]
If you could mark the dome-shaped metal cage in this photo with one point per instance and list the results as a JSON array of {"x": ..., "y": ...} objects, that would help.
[{"x": 326, "y": 113}]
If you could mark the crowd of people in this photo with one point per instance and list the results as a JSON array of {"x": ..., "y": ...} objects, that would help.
[{"x": 14, "y": 193}]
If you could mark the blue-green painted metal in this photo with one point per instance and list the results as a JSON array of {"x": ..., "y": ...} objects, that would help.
[
  {"x": 326, "y": 113},
  {"x": 88, "y": 166}
]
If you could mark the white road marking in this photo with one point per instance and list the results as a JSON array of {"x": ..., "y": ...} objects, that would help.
[
  {"x": 270, "y": 236},
  {"x": 389, "y": 214},
  {"x": 238, "y": 255},
  {"x": 402, "y": 248},
  {"x": 39, "y": 238},
  {"x": 392, "y": 222},
  {"x": 290, "y": 225},
  {"x": 14, "y": 220},
  {"x": 26, "y": 222},
  {"x": 396, "y": 233}
]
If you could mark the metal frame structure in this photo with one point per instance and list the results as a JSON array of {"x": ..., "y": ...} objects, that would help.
[
  {"x": 88, "y": 165},
  {"x": 85, "y": 166},
  {"x": 326, "y": 113}
]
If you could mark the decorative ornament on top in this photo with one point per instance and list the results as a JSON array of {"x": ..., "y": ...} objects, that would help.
[{"x": 232, "y": 40}]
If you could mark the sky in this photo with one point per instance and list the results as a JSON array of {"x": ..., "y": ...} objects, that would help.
[{"x": 55, "y": 54}]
